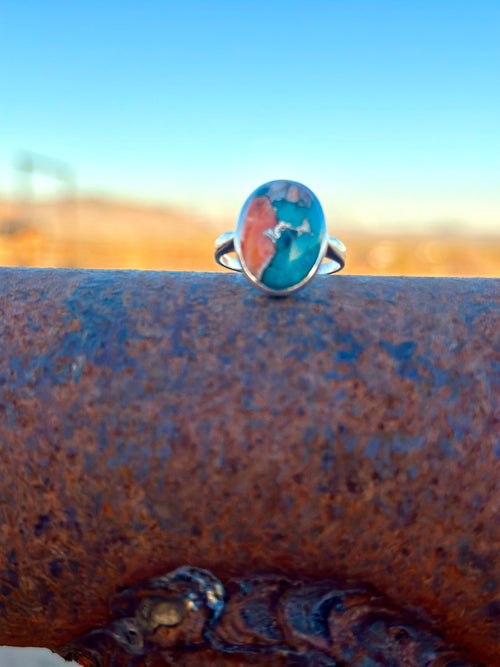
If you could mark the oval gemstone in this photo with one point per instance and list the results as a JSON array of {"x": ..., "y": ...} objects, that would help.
[{"x": 281, "y": 236}]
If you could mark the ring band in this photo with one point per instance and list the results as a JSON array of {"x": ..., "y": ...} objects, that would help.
[
  {"x": 335, "y": 252},
  {"x": 280, "y": 240}
]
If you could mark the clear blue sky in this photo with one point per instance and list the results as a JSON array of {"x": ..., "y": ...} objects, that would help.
[{"x": 388, "y": 110}]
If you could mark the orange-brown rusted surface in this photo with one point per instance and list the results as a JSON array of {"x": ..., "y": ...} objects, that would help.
[{"x": 152, "y": 420}]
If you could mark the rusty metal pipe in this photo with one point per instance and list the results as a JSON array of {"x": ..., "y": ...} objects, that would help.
[{"x": 151, "y": 420}]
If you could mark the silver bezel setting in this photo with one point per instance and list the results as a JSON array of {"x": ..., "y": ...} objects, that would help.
[{"x": 230, "y": 242}]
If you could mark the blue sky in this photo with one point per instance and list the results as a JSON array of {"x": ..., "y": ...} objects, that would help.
[{"x": 388, "y": 110}]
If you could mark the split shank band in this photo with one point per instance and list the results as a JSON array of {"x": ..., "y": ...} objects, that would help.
[{"x": 335, "y": 252}]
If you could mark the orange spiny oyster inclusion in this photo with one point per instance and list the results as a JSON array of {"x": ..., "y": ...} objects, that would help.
[
  {"x": 281, "y": 233},
  {"x": 257, "y": 248}
]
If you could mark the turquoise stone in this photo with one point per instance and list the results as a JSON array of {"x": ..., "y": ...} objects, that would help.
[{"x": 281, "y": 236}]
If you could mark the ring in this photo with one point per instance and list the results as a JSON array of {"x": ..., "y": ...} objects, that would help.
[{"x": 280, "y": 239}]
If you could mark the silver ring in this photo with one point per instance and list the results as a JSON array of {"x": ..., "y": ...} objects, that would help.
[{"x": 280, "y": 240}]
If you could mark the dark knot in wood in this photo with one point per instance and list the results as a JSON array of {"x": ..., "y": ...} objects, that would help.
[{"x": 323, "y": 623}]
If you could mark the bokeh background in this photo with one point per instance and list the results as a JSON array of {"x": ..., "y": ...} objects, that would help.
[{"x": 131, "y": 132}]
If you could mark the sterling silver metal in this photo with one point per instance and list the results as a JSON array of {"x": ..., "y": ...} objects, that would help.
[
  {"x": 335, "y": 252},
  {"x": 264, "y": 208}
]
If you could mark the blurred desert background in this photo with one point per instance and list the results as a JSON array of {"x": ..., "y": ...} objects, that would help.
[{"x": 111, "y": 234}]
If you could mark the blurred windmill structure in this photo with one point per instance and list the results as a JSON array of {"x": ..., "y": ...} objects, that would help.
[{"x": 36, "y": 227}]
